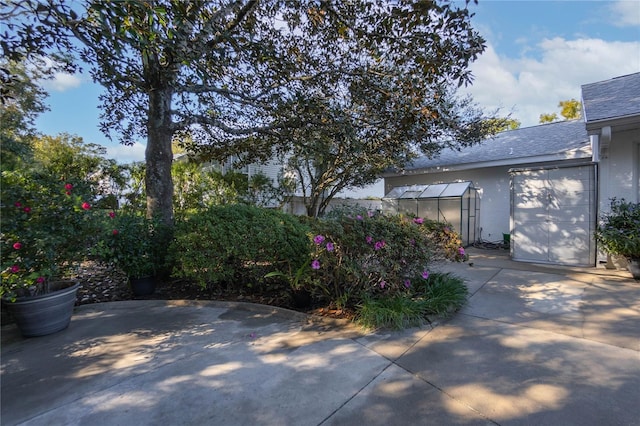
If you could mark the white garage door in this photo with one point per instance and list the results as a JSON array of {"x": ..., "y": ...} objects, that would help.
[{"x": 553, "y": 215}]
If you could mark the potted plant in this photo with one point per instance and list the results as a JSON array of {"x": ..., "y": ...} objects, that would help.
[
  {"x": 127, "y": 244},
  {"x": 618, "y": 233},
  {"x": 45, "y": 232}
]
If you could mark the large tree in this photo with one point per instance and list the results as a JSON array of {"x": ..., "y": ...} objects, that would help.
[
  {"x": 232, "y": 72},
  {"x": 350, "y": 145}
]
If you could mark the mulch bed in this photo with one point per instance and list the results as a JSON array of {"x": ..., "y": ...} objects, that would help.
[{"x": 99, "y": 283}]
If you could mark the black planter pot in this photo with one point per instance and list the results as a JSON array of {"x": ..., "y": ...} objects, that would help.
[
  {"x": 144, "y": 286},
  {"x": 301, "y": 298},
  {"x": 44, "y": 314}
]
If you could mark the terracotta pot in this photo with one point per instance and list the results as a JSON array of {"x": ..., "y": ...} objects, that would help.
[{"x": 44, "y": 314}]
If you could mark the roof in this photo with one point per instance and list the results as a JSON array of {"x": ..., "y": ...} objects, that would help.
[
  {"x": 614, "y": 98},
  {"x": 438, "y": 190},
  {"x": 547, "y": 142}
]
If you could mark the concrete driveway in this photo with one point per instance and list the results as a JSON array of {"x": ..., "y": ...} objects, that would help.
[{"x": 533, "y": 346}]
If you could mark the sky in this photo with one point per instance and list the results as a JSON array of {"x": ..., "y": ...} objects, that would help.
[{"x": 538, "y": 54}]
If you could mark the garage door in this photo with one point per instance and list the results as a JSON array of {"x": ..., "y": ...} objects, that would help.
[{"x": 553, "y": 215}]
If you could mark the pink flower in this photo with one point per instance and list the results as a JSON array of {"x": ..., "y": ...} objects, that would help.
[
  {"x": 86, "y": 206},
  {"x": 17, "y": 245},
  {"x": 68, "y": 187},
  {"x": 379, "y": 244},
  {"x": 27, "y": 209},
  {"x": 359, "y": 217},
  {"x": 418, "y": 220},
  {"x": 18, "y": 204},
  {"x": 15, "y": 269},
  {"x": 115, "y": 232},
  {"x": 369, "y": 240},
  {"x": 40, "y": 280},
  {"x": 407, "y": 283},
  {"x": 370, "y": 213},
  {"x": 330, "y": 246},
  {"x": 425, "y": 274},
  {"x": 318, "y": 239},
  {"x": 461, "y": 251},
  {"x": 383, "y": 283},
  {"x": 112, "y": 215},
  {"x": 315, "y": 264}
]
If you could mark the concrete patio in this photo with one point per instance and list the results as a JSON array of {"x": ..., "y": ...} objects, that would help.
[{"x": 535, "y": 345}]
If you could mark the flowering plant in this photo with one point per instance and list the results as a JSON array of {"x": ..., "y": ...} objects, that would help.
[
  {"x": 127, "y": 242},
  {"x": 356, "y": 255},
  {"x": 368, "y": 254},
  {"x": 46, "y": 228},
  {"x": 619, "y": 231}
]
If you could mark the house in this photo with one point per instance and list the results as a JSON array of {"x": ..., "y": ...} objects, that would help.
[
  {"x": 612, "y": 117},
  {"x": 274, "y": 170},
  {"x": 541, "y": 187}
]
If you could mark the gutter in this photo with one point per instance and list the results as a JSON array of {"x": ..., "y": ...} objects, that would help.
[{"x": 580, "y": 155}]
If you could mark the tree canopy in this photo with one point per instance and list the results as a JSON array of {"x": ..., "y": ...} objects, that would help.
[
  {"x": 248, "y": 76},
  {"x": 569, "y": 110}
]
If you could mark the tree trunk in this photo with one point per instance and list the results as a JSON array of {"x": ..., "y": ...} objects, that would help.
[
  {"x": 312, "y": 210},
  {"x": 159, "y": 157}
]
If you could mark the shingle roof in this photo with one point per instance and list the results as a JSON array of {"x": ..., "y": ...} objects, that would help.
[
  {"x": 617, "y": 97},
  {"x": 554, "y": 139}
]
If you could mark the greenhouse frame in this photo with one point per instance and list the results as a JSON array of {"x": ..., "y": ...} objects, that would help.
[{"x": 456, "y": 203}]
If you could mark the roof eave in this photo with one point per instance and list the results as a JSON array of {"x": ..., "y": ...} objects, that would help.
[
  {"x": 579, "y": 154},
  {"x": 620, "y": 123}
]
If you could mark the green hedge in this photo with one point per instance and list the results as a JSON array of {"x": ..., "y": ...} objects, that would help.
[
  {"x": 344, "y": 259},
  {"x": 234, "y": 246}
]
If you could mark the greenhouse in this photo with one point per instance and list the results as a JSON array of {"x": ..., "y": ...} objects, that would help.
[{"x": 456, "y": 203}]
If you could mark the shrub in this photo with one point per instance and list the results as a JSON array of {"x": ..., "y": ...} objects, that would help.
[
  {"x": 129, "y": 241},
  {"x": 441, "y": 294},
  {"x": 446, "y": 242},
  {"x": 619, "y": 231},
  {"x": 367, "y": 254},
  {"x": 46, "y": 228},
  {"x": 438, "y": 294},
  {"x": 234, "y": 246},
  {"x": 398, "y": 311}
]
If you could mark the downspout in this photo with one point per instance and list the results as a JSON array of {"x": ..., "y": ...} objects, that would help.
[
  {"x": 595, "y": 148},
  {"x": 600, "y": 151}
]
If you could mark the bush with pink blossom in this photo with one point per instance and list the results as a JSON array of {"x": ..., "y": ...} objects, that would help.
[{"x": 46, "y": 228}]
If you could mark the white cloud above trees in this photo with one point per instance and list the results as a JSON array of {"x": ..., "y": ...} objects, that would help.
[
  {"x": 124, "y": 154},
  {"x": 550, "y": 71},
  {"x": 62, "y": 82}
]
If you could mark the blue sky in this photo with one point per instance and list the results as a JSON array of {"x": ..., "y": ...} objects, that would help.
[{"x": 538, "y": 53}]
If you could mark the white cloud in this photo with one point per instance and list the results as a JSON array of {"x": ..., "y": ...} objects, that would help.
[
  {"x": 532, "y": 85},
  {"x": 62, "y": 82},
  {"x": 124, "y": 154},
  {"x": 626, "y": 13}
]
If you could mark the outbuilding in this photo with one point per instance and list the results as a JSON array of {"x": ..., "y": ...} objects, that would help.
[{"x": 544, "y": 186}]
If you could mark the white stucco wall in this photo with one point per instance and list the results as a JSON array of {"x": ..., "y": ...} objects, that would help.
[
  {"x": 493, "y": 190},
  {"x": 619, "y": 171}
]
